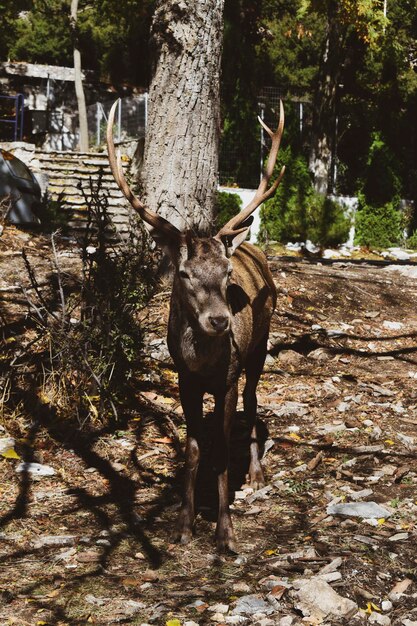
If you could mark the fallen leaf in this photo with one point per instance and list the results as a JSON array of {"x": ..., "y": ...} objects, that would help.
[
  {"x": 132, "y": 582},
  {"x": 167, "y": 440},
  {"x": 402, "y": 586},
  {"x": 311, "y": 465},
  {"x": 10, "y": 454}
]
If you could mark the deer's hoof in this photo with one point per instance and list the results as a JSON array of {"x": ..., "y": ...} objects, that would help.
[
  {"x": 184, "y": 530},
  {"x": 256, "y": 478},
  {"x": 225, "y": 540},
  {"x": 226, "y": 545},
  {"x": 185, "y": 536}
]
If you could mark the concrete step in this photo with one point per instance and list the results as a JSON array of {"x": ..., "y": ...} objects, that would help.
[{"x": 65, "y": 170}]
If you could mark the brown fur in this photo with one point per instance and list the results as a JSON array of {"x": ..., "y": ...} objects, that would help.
[{"x": 213, "y": 364}]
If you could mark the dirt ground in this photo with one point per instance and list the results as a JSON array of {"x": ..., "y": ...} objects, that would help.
[{"x": 92, "y": 543}]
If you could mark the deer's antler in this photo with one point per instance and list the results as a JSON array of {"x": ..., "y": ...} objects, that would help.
[
  {"x": 263, "y": 192},
  {"x": 153, "y": 219}
]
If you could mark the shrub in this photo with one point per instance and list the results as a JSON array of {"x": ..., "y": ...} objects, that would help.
[
  {"x": 382, "y": 183},
  {"x": 88, "y": 337},
  {"x": 378, "y": 227},
  {"x": 327, "y": 222},
  {"x": 284, "y": 216},
  {"x": 297, "y": 212},
  {"x": 412, "y": 241},
  {"x": 52, "y": 214},
  {"x": 227, "y": 205}
]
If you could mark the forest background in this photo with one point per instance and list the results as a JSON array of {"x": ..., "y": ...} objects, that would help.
[{"x": 350, "y": 65}]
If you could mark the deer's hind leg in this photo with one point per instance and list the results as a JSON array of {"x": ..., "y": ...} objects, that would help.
[{"x": 254, "y": 366}]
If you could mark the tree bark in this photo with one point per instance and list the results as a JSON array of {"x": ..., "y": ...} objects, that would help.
[
  {"x": 180, "y": 167},
  {"x": 79, "y": 90},
  {"x": 324, "y": 106}
]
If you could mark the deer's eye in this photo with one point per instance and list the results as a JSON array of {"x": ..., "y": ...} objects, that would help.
[{"x": 184, "y": 275}]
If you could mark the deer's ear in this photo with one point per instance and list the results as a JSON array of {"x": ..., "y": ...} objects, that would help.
[
  {"x": 232, "y": 242},
  {"x": 170, "y": 245}
]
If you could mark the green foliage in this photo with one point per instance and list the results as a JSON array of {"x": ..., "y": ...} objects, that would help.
[
  {"x": 382, "y": 183},
  {"x": 378, "y": 226},
  {"x": 412, "y": 241},
  {"x": 52, "y": 214},
  {"x": 292, "y": 46},
  {"x": 9, "y": 12},
  {"x": 113, "y": 34},
  {"x": 327, "y": 223},
  {"x": 227, "y": 205},
  {"x": 297, "y": 212},
  {"x": 43, "y": 34}
]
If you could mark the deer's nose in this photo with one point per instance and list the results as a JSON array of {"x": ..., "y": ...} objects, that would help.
[{"x": 219, "y": 323}]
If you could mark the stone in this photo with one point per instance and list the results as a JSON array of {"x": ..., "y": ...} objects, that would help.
[
  {"x": 366, "y": 510},
  {"x": 251, "y": 604},
  {"x": 54, "y": 540},
  {"x": 236, "y": 619},
  {"x": 320, "y": 354},
  {"x": 219, "y": 608},
  {"x": 398, "y": 537},
  {"x": 35, "y": 469},
  {"x": 377, "y": 618},
  {"x": 286, "y": 409},
  {"x": 290, "y": 358},
  {"x": 316, "y": 599}
]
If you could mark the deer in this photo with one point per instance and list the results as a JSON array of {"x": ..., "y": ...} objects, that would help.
[{"x": 222, "y": 301}]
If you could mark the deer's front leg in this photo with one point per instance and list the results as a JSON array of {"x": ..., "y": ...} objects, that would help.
[
  {"x": 192, "y": 403},
  {"x": 225, "y": 409}
]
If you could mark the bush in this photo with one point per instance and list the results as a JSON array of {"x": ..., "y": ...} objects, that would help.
[
  {"x": 327, "y": 223},
  {"x": 297, "y": 212},
  {"x": 227, "y": 205},
  {"x": 378, "y": 227},
  {"x": 412, "y": 241},
  {"x": 382, "y": 183},
  {"x": 284, "y": 216},
  {"x": 88, "y": 338},
  {"x": 52, "y": 214}
]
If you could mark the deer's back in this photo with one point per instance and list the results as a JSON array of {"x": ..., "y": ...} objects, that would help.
[{"x": 252, "y": 296}]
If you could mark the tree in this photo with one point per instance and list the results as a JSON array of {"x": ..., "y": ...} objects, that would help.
[
  {"x": 112, "y": 36},
  {"x": 179, "y": 173},
  {"x": 9, "y": 12},
  {"x": 79, "y": 90},
  {"x": 43, "y": 34},
  {"x": 366, "y": 19}
]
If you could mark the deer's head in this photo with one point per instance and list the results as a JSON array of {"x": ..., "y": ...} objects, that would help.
[{"x": 203, "y": 270}]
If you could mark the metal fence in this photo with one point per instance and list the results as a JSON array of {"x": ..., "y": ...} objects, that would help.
[
  {"x": 239, "y": 164},
  {"x": 131, "y": 119},
  {"x": 11, "y": 117}
]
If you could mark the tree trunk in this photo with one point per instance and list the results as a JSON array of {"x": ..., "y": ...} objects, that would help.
[
  {"x": 323, "y": 139},
  {"x": 79, "y": 90},
  {"x": 180, "y": 167}
]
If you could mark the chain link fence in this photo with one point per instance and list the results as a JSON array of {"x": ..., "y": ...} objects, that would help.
[
  {"x": 131, "y": 119},
  {"x": 241, "y": 161}
]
